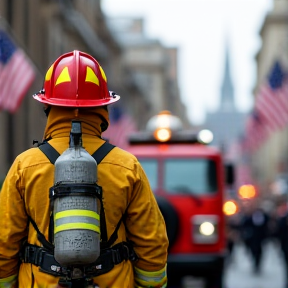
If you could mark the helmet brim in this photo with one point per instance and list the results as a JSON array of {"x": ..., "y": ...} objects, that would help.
[{"x": 75, "y": 103}]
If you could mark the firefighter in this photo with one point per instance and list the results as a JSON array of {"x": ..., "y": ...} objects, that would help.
[{"x": 75, "y": 88}]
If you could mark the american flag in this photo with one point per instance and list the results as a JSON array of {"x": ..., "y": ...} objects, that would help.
[
  {"x": 121, "y": 125},
  {"x": 16, "y": 74},
  {"x": 272, "y": 100},
  {"x": 256, "y": 132},
  {"x": 270, "y": 112}
]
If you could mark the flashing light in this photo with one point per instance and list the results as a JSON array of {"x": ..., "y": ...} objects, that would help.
[
  {"x": 205, "y": 136},
  {"x": 164, "y": 120},
  {"x": 247, "y": 191},
  {"x": 230, "y": 208},
  {"x": 162, "y": 134},
  {"x": 165, "y": 127}
]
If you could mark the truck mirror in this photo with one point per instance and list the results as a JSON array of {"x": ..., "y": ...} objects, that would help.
[{"x": 229, "y": 173}]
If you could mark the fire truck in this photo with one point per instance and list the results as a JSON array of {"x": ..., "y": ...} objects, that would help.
[{"x": 188, "y": 178}]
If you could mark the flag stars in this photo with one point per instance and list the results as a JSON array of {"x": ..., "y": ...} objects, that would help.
[{"x": 7, "y": 48}]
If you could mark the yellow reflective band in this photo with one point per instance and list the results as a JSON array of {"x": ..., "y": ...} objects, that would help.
[
  {"x": 63, "y": 77},
  {"x": 75, "y": 212},
  {"x": 91, "y": 77},
  {"x": 49, "y": 73},
  {"x": 151, "y": 279},
  {"x": 9, "y": 281},
  {"x": 103, "y": 73},
  {"x": 73, "y": 226}
]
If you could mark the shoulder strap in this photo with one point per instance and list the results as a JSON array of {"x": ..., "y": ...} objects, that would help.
[
  {"x": 102, "y": 151},
  {"x": 99, "y": 155},
  {"x": 50, "y": 152}
]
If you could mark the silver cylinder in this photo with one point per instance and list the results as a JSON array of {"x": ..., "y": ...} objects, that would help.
[{"x": 76, "y": 218}]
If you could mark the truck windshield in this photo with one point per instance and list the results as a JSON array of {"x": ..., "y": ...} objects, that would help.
[{"x": 189, "y": 176}]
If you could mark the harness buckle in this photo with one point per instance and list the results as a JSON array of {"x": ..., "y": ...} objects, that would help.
[
  {"x": 39, "y": 256},
  {"x": 126, "y": 253},
  {"x": 28, "y": 253},
  {"x": 116, "y": 256}
]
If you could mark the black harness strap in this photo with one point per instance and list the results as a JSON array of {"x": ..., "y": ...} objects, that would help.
[
  {"x": 50, "y": 152},
  {"x": 41, "y": 237},
  {"x": 99, "y": 155},
  {"x": 114, "y": 235},
  {"x": 102, "y": 151},
  {"x": 105, "y": 262}
]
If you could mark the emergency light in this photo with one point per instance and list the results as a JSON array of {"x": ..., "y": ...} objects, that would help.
[
  {"x": 167, "y": 128},
  {"x": 230, "y": 208},
  {"x": 247, "y": 191}
]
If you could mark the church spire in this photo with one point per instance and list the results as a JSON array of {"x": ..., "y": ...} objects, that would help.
[{"x": 227, "y": 90}]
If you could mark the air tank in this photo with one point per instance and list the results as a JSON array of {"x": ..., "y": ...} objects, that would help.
[{"x": 76, "y": 205}]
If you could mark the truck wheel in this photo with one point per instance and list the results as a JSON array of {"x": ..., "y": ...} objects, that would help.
[
  {"x": 171, "y": 219},
  {"x": 214, "y": 280}
]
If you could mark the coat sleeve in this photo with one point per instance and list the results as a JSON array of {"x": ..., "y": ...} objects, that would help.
[
  {"x": 13, "y": 222},
  {"x": 9, "y": 282},
  {"x": 147, "y": 230}
]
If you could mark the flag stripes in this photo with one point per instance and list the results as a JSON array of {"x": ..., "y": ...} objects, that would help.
[
  {"x": 16, "y": 74},
  {"x": 273, "y": 107},
  {"x": 270, "y": 112}
]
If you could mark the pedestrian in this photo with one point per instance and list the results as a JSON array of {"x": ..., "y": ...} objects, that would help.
[
  {"x": 75, "y": 88},
  {"x": 254, "y": 227},
  {"x": 282, "y": 237}
]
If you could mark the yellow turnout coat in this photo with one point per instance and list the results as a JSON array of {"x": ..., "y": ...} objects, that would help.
[{"x": 125, "y": 187}]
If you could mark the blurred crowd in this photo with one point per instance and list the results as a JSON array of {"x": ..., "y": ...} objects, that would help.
[{"x": 256, "y": 223}]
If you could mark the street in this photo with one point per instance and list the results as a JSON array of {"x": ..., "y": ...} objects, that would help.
[{"x": 239, "y": 271}]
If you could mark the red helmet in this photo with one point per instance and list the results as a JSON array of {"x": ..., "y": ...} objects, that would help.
[{"x": 76, "y": 79}]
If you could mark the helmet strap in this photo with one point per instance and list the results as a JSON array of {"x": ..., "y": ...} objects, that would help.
[{"x": 46, "y": 110}]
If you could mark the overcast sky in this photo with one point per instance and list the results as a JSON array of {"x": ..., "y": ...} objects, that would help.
[{"x": 202, "y": 29}]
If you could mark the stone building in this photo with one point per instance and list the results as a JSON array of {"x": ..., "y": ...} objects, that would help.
[
  {"x": 45, "y": 30},
  {"x": 271, "y": 159},
  {"x": 154, "y": 66}
]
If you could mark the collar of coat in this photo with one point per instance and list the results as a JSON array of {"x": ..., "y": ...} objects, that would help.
[{"x": 59, "y": 121}]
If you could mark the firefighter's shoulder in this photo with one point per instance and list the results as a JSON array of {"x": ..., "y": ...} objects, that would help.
[
  {"x": 122, "y": 158},
  {"x": 32, "y": 156}
]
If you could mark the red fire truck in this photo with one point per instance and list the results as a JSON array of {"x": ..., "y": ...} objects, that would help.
[{"x": 188, "y": 179}]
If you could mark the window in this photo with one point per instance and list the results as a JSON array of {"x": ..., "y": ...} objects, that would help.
[
  {"x": 150, "y": 167},
  {"x": 190, "y": 176}
]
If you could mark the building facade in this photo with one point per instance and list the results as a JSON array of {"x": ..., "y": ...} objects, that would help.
[
  {"x": 45, "y": 30},
  {"x": 271, "y": 159},
  {"x": 154, "y": 66}
]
